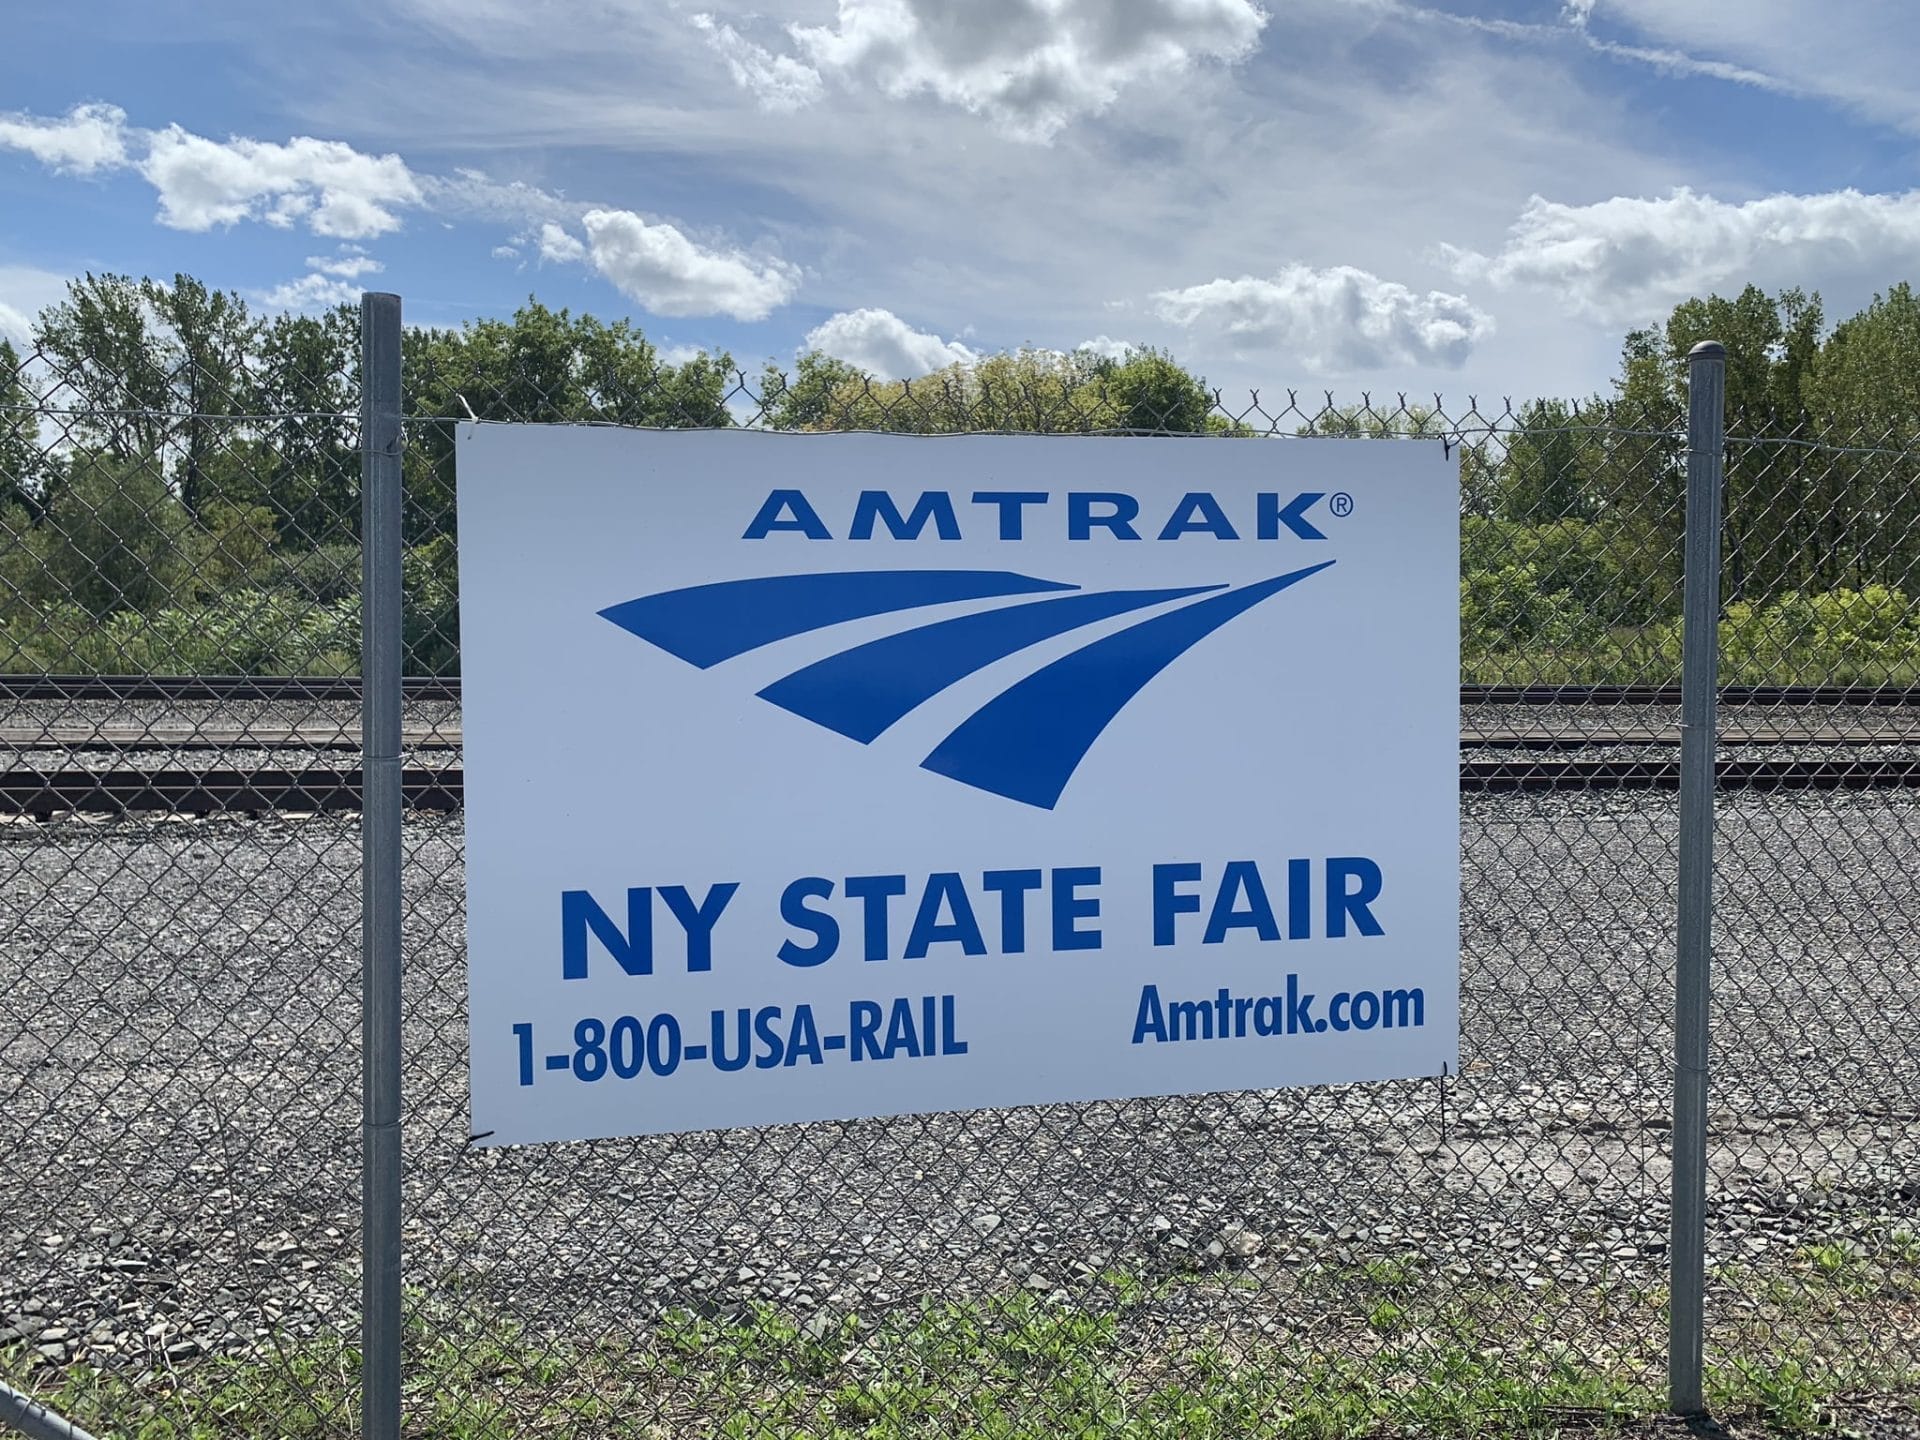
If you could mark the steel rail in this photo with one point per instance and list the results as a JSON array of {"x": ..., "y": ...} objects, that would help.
[
  {"x": 120, "y": 737},
  {"x": 446, "y": 689},
  {"x": 318, "y": 789}
]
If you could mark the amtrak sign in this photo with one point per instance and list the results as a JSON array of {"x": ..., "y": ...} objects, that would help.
[{"x": 823, "y": 776}]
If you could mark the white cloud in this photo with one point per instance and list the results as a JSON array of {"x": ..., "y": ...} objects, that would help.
[
  {"x": 679, "y": 354},
  {"x": 1624, "y": 258},
  {"x": 1857, "y": 53},
  {"x": 331, "y": 187},
  {"x": 25, "y": 291},
  {"x": 1107, "y": 347},
  {"x": 558, "y": 246},
  {"x": 474, "y": 195},
  {"x": 777, "y": 82},
  {"x": 881, "y": 342},
  {"x": 657, "y": 265},
  {"x": 87, "y": 138},
  {"x": 1340, "y": 318},
  {"x": 915, "y": 204},
  {"x": 15, "y": 324},
  {"x": 351, "y": 263},
  {"x": 343, "y": 193},
  {"x": 334, "y": 189},
  {"x": 1576, "y": 24},
  {"x": 311, "y": 292},
  {"x": 1031, "y": 66}
]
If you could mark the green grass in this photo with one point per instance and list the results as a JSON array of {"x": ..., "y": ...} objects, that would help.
[{"x": 1380, "y": 1348}]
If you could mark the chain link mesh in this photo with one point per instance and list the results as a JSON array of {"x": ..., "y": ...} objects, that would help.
[{"x": 179, "y": 1027}]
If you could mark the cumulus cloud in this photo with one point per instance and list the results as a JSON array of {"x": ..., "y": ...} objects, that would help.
[
  {"x": 1031, "y": 66},
  {"x": 15, "y": 324},
  {"x": 777, "y": 82},
  {"x": 1106, "y": 347},
  {"x": 329, "y": 186},
  {"x": 880, "y": 342},
  {"x": 311, "y": 292},
  {"x": 24, "y": 292},
  {"x": 332, "y": 280},
  {"x": 558, "y": 246},
  {"x": 1624, "y": 257},
  {"x": 679, "y": 354},
  {"x": 331, "y": 189},
  {"x": 1339, "y": 318},
  {"x": 350, "y": 264},
  {"x": 87, "y": 138},
  {"x": 657, "y": 265}
]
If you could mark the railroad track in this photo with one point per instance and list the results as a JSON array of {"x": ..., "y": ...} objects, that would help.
[
  {"x": 319, "y": 789},
  {"x": 295, "y": 688},
  {"x": 120, "y": 736},
  {"x": 1499, "y": 757},
  {"x": 273, "y": 688}
]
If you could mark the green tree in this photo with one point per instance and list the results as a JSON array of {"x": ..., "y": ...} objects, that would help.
[
  {"x": 1863, "y": 391},
  {"x": 542, "y": 365},
  {"x": 1026, "y": 391},
  {"x": 814, "y": 396},
  {"x": 114, "y": 538},
  {"x": 207, "y": 339},
  {"x": 1365, "y": 422},
  {"x": 22, "y": 463},
  {"x": 1153, "y": 394},
  {"x": 150, "y": 367},
  {"x": 1547, "y": 473},
  {"x": 1772, "y": 343},
  {"x": 306, "y": 468},
  {"x": 107, "y": 366}
]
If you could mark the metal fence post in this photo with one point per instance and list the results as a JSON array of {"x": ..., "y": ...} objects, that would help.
[
  {"x": 380, "y": 657},
  {"x": 1699, "y": 682},
  {"x": 33, "y": 1419}
]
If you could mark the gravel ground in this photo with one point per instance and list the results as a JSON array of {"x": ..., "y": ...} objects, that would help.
[
  {"x": 179, "y": 1071},
  {"x": 220, "y": 714}
]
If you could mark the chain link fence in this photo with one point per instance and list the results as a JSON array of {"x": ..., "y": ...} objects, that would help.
[{"x": 180, "y": 1042}]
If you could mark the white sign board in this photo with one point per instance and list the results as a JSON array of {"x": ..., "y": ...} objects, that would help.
[{"x": 816, "y": 776}]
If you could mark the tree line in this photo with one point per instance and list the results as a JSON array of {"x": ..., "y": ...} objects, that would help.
[{"x": 179, "y": 474}]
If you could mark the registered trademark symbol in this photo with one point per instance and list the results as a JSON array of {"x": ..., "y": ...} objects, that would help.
[{"x": 1341, "y": 504}]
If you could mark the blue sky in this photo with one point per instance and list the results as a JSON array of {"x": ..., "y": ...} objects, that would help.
[{"x": 1471, "y": 198}]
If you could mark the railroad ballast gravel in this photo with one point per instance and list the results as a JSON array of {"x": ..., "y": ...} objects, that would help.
[{"x": 179, "y": 1065}]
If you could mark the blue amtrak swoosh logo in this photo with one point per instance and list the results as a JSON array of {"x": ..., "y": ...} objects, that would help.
[{"x": 1026, "y": 742}]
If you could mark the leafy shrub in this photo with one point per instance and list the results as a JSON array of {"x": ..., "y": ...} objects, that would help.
[
  {"x": 249, "y": 632},
  {"x": 1512, "y": 610},
  {"x": 232, "y": 548},
  {"x": 114, "y": 539},
  {"x": 430, "y": 581},
  {"x": 1622, "y": 577},
  {"x": 1842, "y": 636},
  {"x": 325, "y": 575}
]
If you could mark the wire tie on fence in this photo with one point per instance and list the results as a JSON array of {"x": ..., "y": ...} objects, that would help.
[
  {"x": 466, "y": 407},
  {"x": 469, "y": 1146}
]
